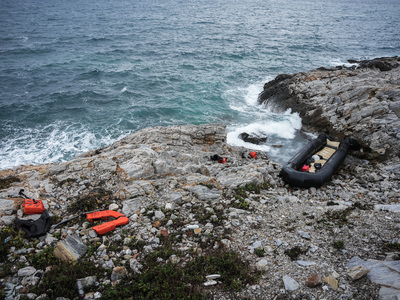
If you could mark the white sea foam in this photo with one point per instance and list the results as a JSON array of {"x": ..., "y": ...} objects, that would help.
[
  {"x": 258, "y": 120},
  {"x": 50, "y": 144},
  {"x": 338, "y": 62}
]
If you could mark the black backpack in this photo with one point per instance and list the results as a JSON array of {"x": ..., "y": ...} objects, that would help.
[{"x": 35, "y": 228}]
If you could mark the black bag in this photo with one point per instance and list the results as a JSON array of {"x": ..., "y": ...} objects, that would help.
[
  {"x": 35, "y": 228},
  {"x": 318, "y": 166}
]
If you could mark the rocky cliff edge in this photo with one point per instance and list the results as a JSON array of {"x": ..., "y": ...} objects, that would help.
[{"x": 362, "y": 101}]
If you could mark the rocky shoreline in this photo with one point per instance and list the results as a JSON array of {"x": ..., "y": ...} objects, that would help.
[
  {"x": 292, "y": 243},
  {"x": 361, "y": 101}
]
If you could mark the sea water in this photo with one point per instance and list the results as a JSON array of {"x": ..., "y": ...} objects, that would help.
[{"x": 79, "y": 75}]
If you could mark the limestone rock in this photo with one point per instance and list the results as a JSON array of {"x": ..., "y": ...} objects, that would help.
[
  {"x": 113, "y": 206},
  {"x": 387, "y": 293},
  {"x": 332, "y": 281},
  {"x": 262, "y": 264},
  {"x": 388, "y": 207},
  {"x": 27, "y": 271},
  {"x": 290, "y": 283},
  {"x": 131, "y": 206},
  {"x": 305, "y": 263},
  {"x": 197, "y": 195},
  {"x": 118, "y": 273},
  {"x": 386, "y": 273},
  {"x": 135, "y": 266},
  {"x": 358, "y": 272},
  {"x": 204, "y": 193},
  {"x": 7, "y": 220},
  {"x": 159, "y": 215},
  {"x": 6, "y": 207}
]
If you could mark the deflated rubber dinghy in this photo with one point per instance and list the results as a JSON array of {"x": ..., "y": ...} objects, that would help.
[{"x": 315, "y": 164}]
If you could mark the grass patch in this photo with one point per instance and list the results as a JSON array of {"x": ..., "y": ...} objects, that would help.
[
  {"x": 256, "y": 188},
  {"x": 259, "y": 252},
  {"x": 61, "y": 279},
  {"x": 210, "y": 186},
  {"x": 239, "y": 194},
  {"x": 392, "y": 246},
  {"x": 235, "y": 274},
  {"x": 338, "y": 245},
  {"x": 204, "y": 215},
  {"x": 295, "y": 252},
  {"x": 361, "y": 206},
  {"x": 10, "y": 236},
  {"x": 8, "y": 181},
  {"x": 161, "y": 279},
  {"x": 241, "y": 203},
  {"x": 43, "y": 259},
  {"x": 96, "y": 199},
  {"x": 242, "y": 191},
  {"x": 340, "y": 217}
]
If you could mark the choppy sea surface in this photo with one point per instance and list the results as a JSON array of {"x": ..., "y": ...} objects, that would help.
[{"x": 79, "y": 75}]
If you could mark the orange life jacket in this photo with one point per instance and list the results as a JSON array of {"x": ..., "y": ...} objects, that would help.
[{"x": 120, "y": 219}]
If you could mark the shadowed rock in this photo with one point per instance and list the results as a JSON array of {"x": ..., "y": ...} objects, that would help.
[{"x": 253, "y": 139}]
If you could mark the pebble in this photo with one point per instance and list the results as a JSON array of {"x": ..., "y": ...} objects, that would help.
[
  {"x": 210, "y": 282},
  {"x": 305, "y": 263},
  {"x": 332, "y": 281},
  {"x": 358, "y": 272},
  {"x": 304, "y": 234},
  {"x": 118, "y": 273},
  {"x": 113, "y": 206},
  {"x": 27, "y": 271},
  {"x": 290, "y": 283},
  {"x": 313, "y": 281},
  {"x": 262, "y": 264}
]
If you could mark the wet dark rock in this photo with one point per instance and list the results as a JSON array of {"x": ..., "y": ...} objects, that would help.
[{"x": 253, "y": 139}]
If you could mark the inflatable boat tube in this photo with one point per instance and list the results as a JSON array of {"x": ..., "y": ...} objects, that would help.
[{"x": 293, "y": 173}]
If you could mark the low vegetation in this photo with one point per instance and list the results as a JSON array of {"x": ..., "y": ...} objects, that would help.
[
  {"x": 161, "y": 278},
  {"x": 97, "y": 199},
  {"x": 8, "y": 181}
]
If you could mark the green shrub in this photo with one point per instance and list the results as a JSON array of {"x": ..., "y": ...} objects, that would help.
[
  {"x": 10, "y": 236},
  {"x": 61, "y": 279},
  {"x": 295, "y": 252},
  {"x": 43, "y": 259},
  {"x": 338, "y": 245},
  {"x": 259, "y": 252},
  {"x": 164, "y": 280},
  {"x": 97, "y": 199}
]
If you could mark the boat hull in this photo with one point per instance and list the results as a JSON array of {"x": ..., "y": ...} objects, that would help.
[{"x": 292, "y": 174}]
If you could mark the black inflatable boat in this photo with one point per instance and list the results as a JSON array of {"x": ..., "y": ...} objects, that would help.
[{"x": 315, "y": 164}]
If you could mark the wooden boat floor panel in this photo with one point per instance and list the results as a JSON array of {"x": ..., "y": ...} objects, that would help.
[
  {"x": 326, "y": 152},
  {"x": 332, "y": 143}
]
